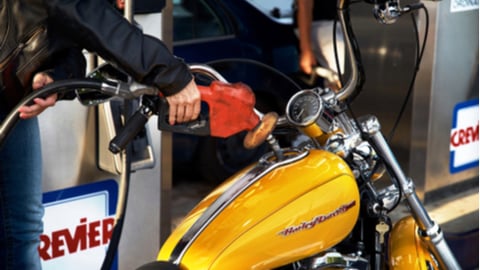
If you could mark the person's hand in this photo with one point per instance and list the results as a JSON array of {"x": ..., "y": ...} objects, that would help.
[
  {"x": 307, "y": 61},
  {"x": 121, "y": 4},
  {"x": 184, "y": 105},
  {"x": 40, "y": 104}
]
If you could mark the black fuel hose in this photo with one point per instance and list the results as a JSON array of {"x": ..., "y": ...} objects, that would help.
[{"x": 59, "y": 87}]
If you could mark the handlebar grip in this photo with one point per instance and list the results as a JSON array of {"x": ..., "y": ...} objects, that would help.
[
  {"x": 133, "y": 126},
  {"x": 414, "y": 6}
]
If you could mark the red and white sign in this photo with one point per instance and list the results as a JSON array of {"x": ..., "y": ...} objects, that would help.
[
  {"x": 464, "y": 137},
  {"x": 78, "y": 224}
]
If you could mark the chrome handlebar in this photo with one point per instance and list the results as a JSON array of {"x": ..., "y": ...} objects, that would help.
[
  {"x": 386, "y": 12},
  {"x": 351, "y": 85}
]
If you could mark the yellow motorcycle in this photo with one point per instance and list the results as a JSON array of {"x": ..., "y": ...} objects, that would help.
[{"x": 314, "y": 205}]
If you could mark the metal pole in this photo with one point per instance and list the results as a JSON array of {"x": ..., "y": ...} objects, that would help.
[
  {"x": 129, "y": 9},
  {"x": 166, "y": 142}
]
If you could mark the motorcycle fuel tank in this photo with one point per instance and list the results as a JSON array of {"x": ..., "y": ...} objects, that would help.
[{"x": 268, "y": 215}]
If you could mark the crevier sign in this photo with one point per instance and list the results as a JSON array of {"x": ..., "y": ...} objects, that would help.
[
  {"x": 464, "y": 137},
  {"x": 78, "y": 224}
]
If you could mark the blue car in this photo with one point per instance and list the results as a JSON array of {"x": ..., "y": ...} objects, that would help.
[
  {"x": 248, "y": 41},
  {"x": 206, "y": 30}
]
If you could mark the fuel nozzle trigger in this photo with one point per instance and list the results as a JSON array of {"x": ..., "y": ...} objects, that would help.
[{"x": 199, "y": 126}]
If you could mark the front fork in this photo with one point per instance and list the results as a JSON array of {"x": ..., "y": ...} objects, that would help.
[{"x": 430, "y": 229}]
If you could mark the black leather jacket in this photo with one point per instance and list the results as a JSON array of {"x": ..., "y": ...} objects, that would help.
[{"x": 42, "y": 34}]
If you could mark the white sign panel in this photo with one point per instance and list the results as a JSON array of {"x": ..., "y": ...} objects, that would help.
[
  {"x": 463, "y": 5},
  {"x": 464, "y": 145},
  {"x": 78, "y": 224}
]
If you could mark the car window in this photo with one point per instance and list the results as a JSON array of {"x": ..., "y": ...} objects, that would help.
[
  {"x": 281, "y": 11},
  {"x": 194, "y": 19}
]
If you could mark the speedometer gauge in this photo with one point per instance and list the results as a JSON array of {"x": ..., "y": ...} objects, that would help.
[{"x": 304, "y": 108}]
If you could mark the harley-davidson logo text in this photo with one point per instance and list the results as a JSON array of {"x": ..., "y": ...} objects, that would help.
[{"x": 306, "y": 225}]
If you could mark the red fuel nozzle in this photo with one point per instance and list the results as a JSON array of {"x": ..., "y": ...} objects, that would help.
[{"x": 231, "y": 107}]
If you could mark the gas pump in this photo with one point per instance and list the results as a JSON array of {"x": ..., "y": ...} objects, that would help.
[{"x": 81, "y": 178}]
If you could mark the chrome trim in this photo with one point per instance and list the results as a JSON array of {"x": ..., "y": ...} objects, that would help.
[
  {"x": 351, "y": 84},
  {"x": 264, "y": 166},
  {"x": 208, "y": 71},
  {"x": 440, "y": 248},
  {"x": 334, "y": 259},
  {"x": 294, "y": 99}
]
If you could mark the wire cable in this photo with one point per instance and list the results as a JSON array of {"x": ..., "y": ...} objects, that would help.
[{"x": 419, "y": 56}]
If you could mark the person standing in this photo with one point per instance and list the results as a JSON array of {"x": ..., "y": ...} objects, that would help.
[
  {"x": 314, "y": 21},
  {"x": 41, "y": 41}
]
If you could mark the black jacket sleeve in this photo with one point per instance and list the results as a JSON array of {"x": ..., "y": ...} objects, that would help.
[
  {"x": 68, "y": 63},
  {"x": 99, "y": 27}
]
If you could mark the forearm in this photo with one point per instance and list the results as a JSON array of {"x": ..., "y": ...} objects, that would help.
[
  {"x": 304, "y": 19},
  {"x": 98, "y": 27}
]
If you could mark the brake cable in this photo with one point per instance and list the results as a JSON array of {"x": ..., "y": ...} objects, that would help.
[{"x": 419, "y": 57}]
